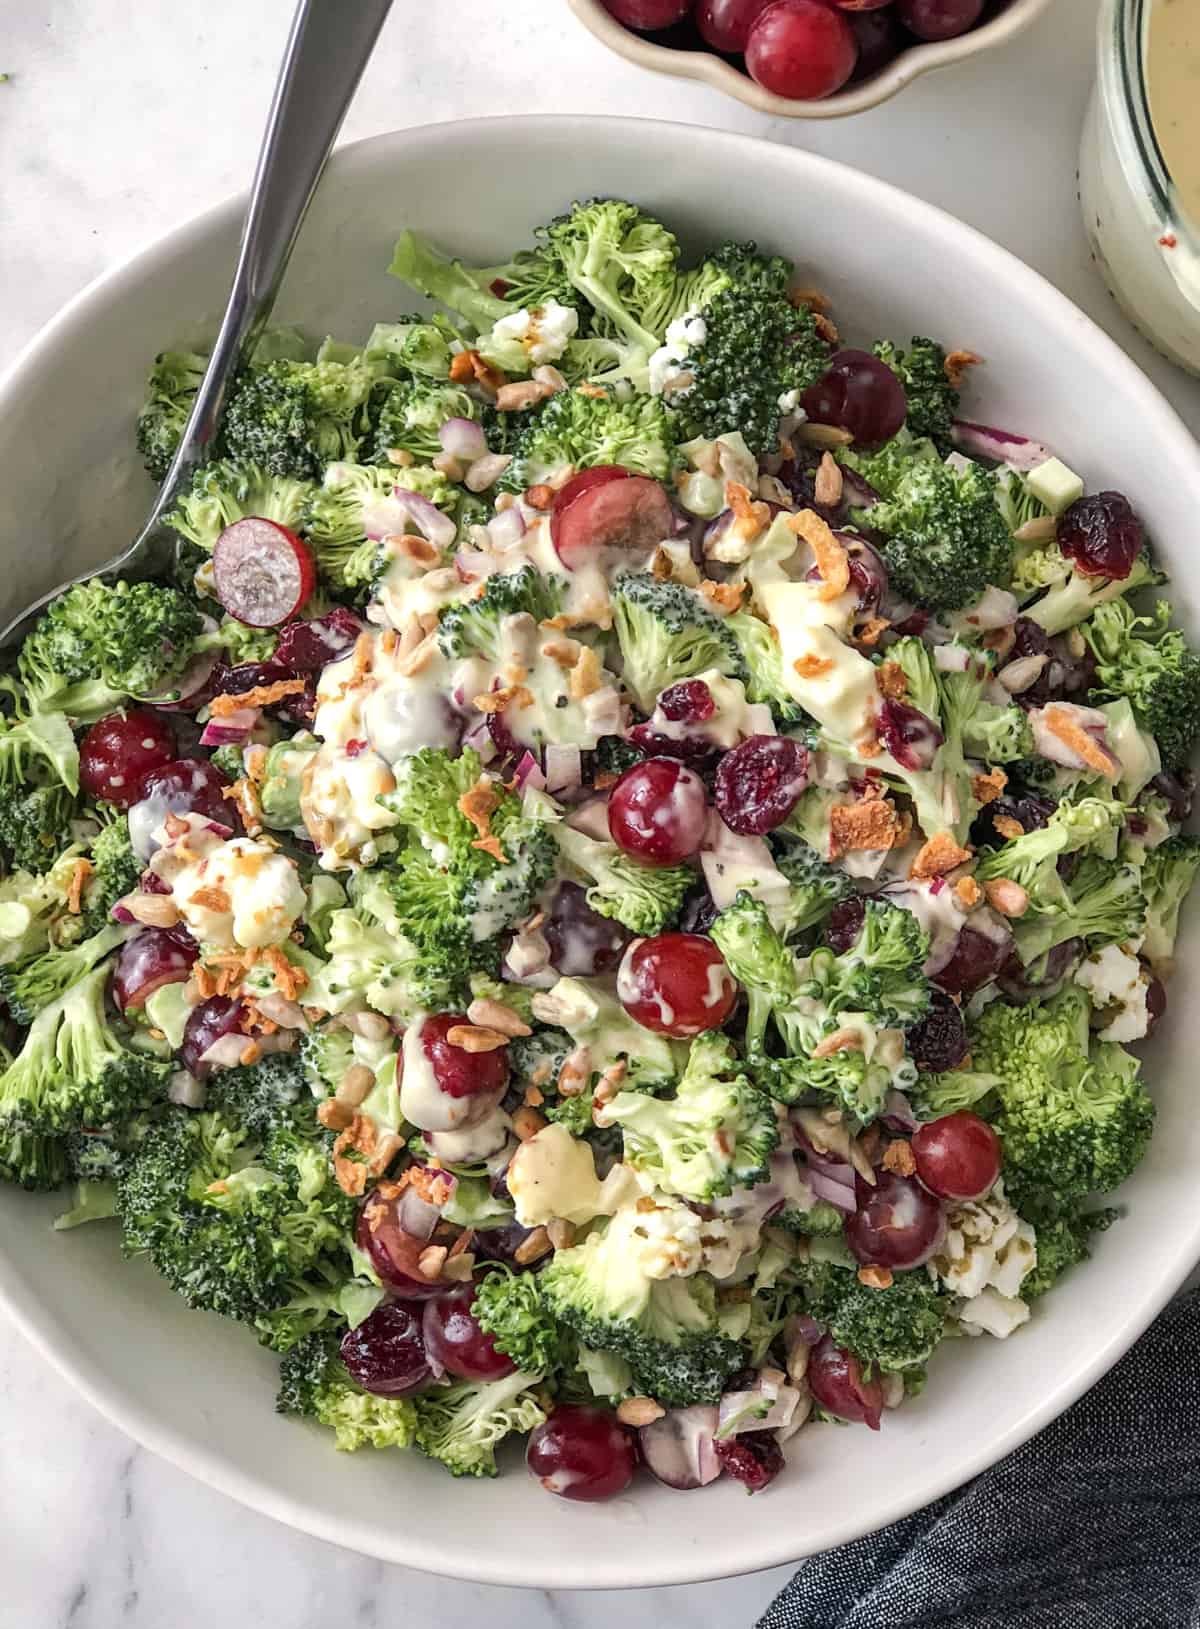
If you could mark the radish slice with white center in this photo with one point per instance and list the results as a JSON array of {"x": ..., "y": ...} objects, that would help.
[
  {"x": 678, "y": 1448},
  {"x": 263, "y": 573}
]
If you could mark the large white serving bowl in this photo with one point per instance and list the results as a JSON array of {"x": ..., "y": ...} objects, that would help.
[{"x": 197, "y": 1389}]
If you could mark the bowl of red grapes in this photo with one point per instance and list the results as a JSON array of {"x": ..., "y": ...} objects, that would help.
[{"x": 803, "y": 58}]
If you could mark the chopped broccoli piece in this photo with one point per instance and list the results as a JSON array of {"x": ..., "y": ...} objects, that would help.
[
  {"x": 462, "y": 1425},
  {"x": 1073, "y": 1115},
  {"x": 510, "y": 1307},
  {"x": 646, "y": 899},
  {"x": 282, "y": 780},
  {"x": 292, "y": 418},
  {"x": 476, "y": 627},
  {"x": 1072, "y": 595},
  {"x": 37, "y": 750},
  {"x": 170, "y": 392},
  {"x": 370, "y": 959},
  {"x": 31, "y": 1160},
  {"x": 576, "y": 428},
  {"x": 413, "y": 345},
  {"x": 947, "y": 1093},
  {"x": 115, "y": 868},
  {"x": 1167, "y": 876},
  {"x": 1063, "y": 1238},
  {"x": 1149, "y": 663},
  {"x": 895, "y": 1328},
  {"x": 262, "y": 1096},
  {"x": 932, "y": 399},
  {"x": 716, "y": 1133},
  {"x": 315, "y": 1383},
  {"x": 815, "y": 888},
  {"x": 409, "y": 417},
  {"x": 225, "y": 491},
  {"x": 31, "y": 984},
  {"x": 820, "y": 1221},
  {"x": 666, "y": 634},
  {"x": 593, "y": 1017},
  {"x": 34, "y": 909},
  {"x": 34, "y": 825},
  {"x": 355, "y": 498},
  {"x": 469, "y": 293}
]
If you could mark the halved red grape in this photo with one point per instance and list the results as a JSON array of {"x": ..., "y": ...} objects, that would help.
[
  {"x": 218, "y": 1016},
  {"x": 629, "y": 517},
  {"x": 582, "y": 1453},
  {"x": 857, "y": 392},
  {"x": 1043, "y": 978},
  {"x": 939, "y": 19},
  {"x": 725, "y": 24},
  {"x": 908, "y": 734},
  {"x": 460, "y": 1073},
  {"x": 1101, "y": 535},
  {"x": 582, "y": 943},
  {"x": 658, "y": 812},
  {"x": 677, "y": 1448},
  {"x": 860, "y": 5},
  {"x": 306, "y": 647},
  {"x": 394, "y": 1254},
  {"x": 454, "y": 1339},
  {"x": 753, "y": 1458},
  {"x": 191, "y": 786},
  {"x": 152, "y": 958},
  {"x": 958, "y": 1156},
  {"x": 975, "y": 960},
  {"x": 897, "y": 1223},
  {"x": 502, "y": 1244},
  {"x": 119, "y": 751},
  {"x": 939, "y": 1041},
  {"x": 802, "y": 49},
  {"x": 676, "y": 984},
  {"x": 835, "y": 1378},
  {"x": 262, "y": 571},
  {"x": 386, "y": 1353},
  {"x": 598, "y": 475},
  {"x": 760, "y": 782},
  {"x": 880, "y": 39}
]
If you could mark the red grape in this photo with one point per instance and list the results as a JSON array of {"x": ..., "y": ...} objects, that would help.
[
  {"x": 880, "y": 38},
  {"x": 725, "y": 24},
  {"x": 192, "y": 786},
  {"x": 836, "y": 1380},
  {"x": 1101, "y": 535},
  {"x": 861, "y": 5},
  {"x": 152, "y": 958},
  {"x": 598, "y": 475},
  {"x": 394, "y": 1254},
  {"x": 658, "y": 812},
  {"x": 802, "y": 49},
  {"x": 897, "y": 1224},
  {"x": 958, "y": 1156},
  {"x": 629, "y": 516},
  {"x": 118, "y": 753},
  {"x": 218, "y": 1016},
  {"x": 759, "y": 783},
  {"x": 648, "y": 15},
  {"x": 386, "y": 1353},
  {"x": 454, "y": 1339},
  {"x": 582, "y": 1453},
  {"x": 909, "y": 735},
  {"x": 753, "y": 1458},
  {"x": 677, "y": 984},
  {"x": 582, "y": 943},
  {"x": 460, "y": 1073},
  {"x": 939, "y": 19},
  {"x": 858, "y": 392},
  {"x": 262, "y": 571},
  {"x": 975, "y": 959}
]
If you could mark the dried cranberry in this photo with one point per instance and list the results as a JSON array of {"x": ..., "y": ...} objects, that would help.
[
  {"x": 386, "y": 1353},
  {"x": 235, "y": 681},
  {"x": 1101, "y": 535},
  {"x": 1030, "y": 810},
  {"x": 909, "y": 735},
  {"x": 299, "y": 709},
  {"x": 582, "y": 943},
  {"x": 689, "y": 702},
  {"x": 939, "y": 1041},
  {"x": 845, "y": 924},
  {"x": 753, "y": 1458},
  {"x": 760, "y": 782},
  {"x": 508, "y": 748},
  {"x": 306, "y": 647},
  {"x": 698, "y": 912}
]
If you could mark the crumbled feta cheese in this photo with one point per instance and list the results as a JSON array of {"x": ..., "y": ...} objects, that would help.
[
  {"x": 1118, "y": 985},
  {"x": 232, "y": 893},
  {"x": 987, "y": 1246},
  {"x": 543, "y": 332},
  {"x": 990, "y": 1313},
  {"x": 668, "y": 364}
]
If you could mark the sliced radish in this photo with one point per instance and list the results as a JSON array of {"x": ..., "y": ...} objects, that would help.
[
  {"x": 599, "y": 475},
  {"x": 263, "y": 573},
  {"x": 678, "y": 1448},
  {"x": 628, "y": 516}
]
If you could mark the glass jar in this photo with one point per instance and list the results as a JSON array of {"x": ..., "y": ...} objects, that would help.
[{"x": 1147, "y": 251}]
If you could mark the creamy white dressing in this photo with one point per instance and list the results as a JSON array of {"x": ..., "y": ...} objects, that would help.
[
  {"x": 842, "y": 694},
  {"x": 422, "y": 1101},
  {"x": 474, "y": 1143},
  {"x": 235, "y": 893},
  {"x": 341, "y": 808},
  {"x": 554, "y": 1175}
]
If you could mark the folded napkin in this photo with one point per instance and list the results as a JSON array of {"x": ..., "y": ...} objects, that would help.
[{"x": 1094, "y": 1524}]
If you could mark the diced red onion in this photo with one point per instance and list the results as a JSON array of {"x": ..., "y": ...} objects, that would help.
[
  {"x": 191, "y": 688},
  {"x": 801, "y": 1330},
  {"x": 951, "y": 658},
  {"x": 232, "y": 729},
  {"x": 183, "y": 1088},
  {"x": 486, "y": 471},
  {"x": 897, "y": 1111},
  {"x": 120, "y": 913},
  {"x": 591, "y": 818},
  {"x": 478, "y": 736},
  {"x": 226, "y": 1051},
  {"x": 463, "y": 438},
  {"x": 605, "y": 715},
  {"x": 287, "y": 1014},
  {"x": 564, "y": 768},
  {"x": 838, "y": 1194},
  {"x": 529, "y": 773},
  {"x": 985, "y": 441},
  {"x": 383, "y": 517},
  {"x": 429, "y": 520},
  {"x": 995, "y": 608},
  {"x": 473, "y": 564},
  {"x": 507, "y": 528},
  {"x": 782, "y": 1399},
  {"x": 937, "y": 884}
]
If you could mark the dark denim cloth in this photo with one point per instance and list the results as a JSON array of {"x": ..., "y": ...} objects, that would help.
[{"x": 1094, "y": 1524}]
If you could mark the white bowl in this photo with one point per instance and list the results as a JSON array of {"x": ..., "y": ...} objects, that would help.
[
  {"x": 718, "y": 71},
  {"x": 197, "y": 1389}
]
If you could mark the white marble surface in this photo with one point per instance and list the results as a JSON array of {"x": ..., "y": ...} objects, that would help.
[{"x": 119, "y": 122}]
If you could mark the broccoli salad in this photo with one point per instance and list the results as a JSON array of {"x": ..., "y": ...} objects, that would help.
[{"x": 609, "y": 894}]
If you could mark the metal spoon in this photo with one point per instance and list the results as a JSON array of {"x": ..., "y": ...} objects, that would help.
[{"x": 329, "y": 46}]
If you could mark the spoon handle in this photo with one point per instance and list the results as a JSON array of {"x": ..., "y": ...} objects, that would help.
[{"x": 328, "y": 48}]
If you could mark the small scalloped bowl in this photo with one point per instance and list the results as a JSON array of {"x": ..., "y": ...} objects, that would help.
[{"x": 714, "y": 70}]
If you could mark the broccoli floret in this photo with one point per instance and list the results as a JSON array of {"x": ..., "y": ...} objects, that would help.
[
  {"x": 34, "y": 825},
  {"x": 1073, "y": 1115},
  {"x": 623, "y": 263},
  {"x": 510, "y": 1307},
  {"x": 820, "y": 1221},
  {"x": 31, "y": 1160},
  {"x": 1167, "y": 877},
  {"x": 37, "y": 750},
  {"x": 33, "y": 983},
  {"x": 282, "y": 781},
  {"x": 536, "y": 1059},
  {"x": 947, "y": 1093},
  {"x": 666, "y": 634},
  {"x": 943, "y": 537},
  {"x": 764, "y": 668},
  {"x": 413, "y": 345},
  {"x": 1149, "y": 663},
  {"x": 580, "y": 429},
  {"x": 895, "y": 1328},
  {"x": 716, "y": 1133},
  {"x": 462, "y": 1425},
  {"x": 98, "y": 645},
  {"x": 1063, "y": 1238},
  {"x": 225, "y": 490},
  {"x": 410, "y": 416},
  {"x": 1072, "y": 595},
  {"x": 646, "y": 899},
  {"x": 467, "y": 292},
  {"x": 262, "y": 1096},
  {"x": 1088, "y": 824},
  {"x": 115, "y": 868},
  {"x": 370, "y": 959},
  {"x": 475, "y": 627},
  {"x": 315, "y": 1383},
  {"x": 293, "y": 418},
  {"x": 235, "y": 1223},
  {"x": 34, "y": 909},
  {"x": 665, "y": 1328},
  {"x": 758, "y": 346},
  {"x": 356, "y": 498},
  {"x": 593, "y": 1017},
  {"x": 815, "y": 888},
  {"x": 74, "y": 1069},
  {"x": 932, "y": 399},
  {"x": 170, "y": 392},
  {"x": 1016, "y": 502}
]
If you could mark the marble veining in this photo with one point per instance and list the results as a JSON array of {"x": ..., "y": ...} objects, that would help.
[{"x": 116, "y": 124}]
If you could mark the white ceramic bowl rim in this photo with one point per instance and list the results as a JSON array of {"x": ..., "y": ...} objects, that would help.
[{"x": 767, "y": 1538}]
